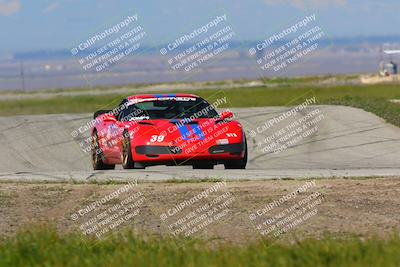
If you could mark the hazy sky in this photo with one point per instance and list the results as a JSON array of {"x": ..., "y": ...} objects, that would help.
[{"x": 44, "y": 24}]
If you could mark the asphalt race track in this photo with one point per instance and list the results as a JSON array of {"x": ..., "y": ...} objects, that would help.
[{"x": 343, "y": 142}]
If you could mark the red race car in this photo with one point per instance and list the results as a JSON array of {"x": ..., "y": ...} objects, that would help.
[{"x": 167, "y": 129}]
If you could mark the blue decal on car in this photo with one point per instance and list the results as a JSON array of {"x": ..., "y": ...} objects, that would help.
[
  {"x": 198, "y": 133},
  {"x": 164, "y": 95},
  {"x": 184, "y": 130}
]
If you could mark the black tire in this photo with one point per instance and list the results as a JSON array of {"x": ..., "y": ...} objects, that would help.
[
  {"x": 203, "y": 165},
  {"x": 127, "y": 159},
  {"x": 98, "y": 157},
  {"x": 238, "y": 163}
]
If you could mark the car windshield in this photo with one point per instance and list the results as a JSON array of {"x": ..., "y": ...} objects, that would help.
[{"x": 168, "y": 108}]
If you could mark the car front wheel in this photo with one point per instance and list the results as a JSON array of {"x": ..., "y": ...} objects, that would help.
[{"x": 98, "y": 157}]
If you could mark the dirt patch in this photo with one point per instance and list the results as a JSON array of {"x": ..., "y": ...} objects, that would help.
[
  {"x": 376, "y": 79},
  {"x": 363, "y": 207}
]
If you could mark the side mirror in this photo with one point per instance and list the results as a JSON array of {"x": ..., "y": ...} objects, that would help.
[
  {"x": 108, "y": 117},
  {"x": 226, "y": 115}
]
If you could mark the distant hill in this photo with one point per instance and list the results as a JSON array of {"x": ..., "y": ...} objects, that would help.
[{"x": 354, "y": 42}]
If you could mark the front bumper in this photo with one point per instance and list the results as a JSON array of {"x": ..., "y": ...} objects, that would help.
[{"x": 164, "y": 155}]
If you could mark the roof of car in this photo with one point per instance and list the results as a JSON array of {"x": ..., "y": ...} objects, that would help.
[{"x": 133, "y": 97}]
